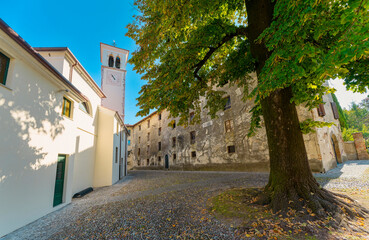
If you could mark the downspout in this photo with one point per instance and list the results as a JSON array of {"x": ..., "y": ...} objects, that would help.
[{"x": 71, "y": 71}]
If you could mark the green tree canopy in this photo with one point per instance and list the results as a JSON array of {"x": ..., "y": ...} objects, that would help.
[{"x": 187, "y": 49}]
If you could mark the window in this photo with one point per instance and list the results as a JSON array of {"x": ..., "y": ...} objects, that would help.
[
  {"x": 148, "y": 123},
  {"x": 148, "y": 136},
  {"x": 148, "y": 149},
  {"x": 321, "y": 110},
  {"x": 111, "y": 61},
  {"x": 335, "y": 110},
  {"x": 174, "y": 157},
  {"x": 159, "y": 160},
  {"x": 159, "y": 116},
  {"x": 159, "y": 146},
  {"x": 116, "y": 155},
  {"x": 193, "y": 154},
  {"x": 67, "y": 105},
  {"x": 139, "y": 127},
  {"x": 139, "y": 152},
  {"x": 84, "y": 107},
  {"x": 231, "y": 149},
  {"x": 159, "y": 131},
  {"x": 129, "y": 142},
  {"x": 129, "y": 132},
  {"x": 139, "y": 162},
  {"x": 193, "y": 137},
  {"x": 228, "y": 126},
  {"x": 174, "y": 124},
  {"x": 192, "y": 115},
  {"x": 174, "y": 141},
  {"x": 147, "y": 162},
  {"x": 117, "y": 62},
  {"x": 228, "y": 103},
  {"x": 4, "y": 65},
  {"x": 139, "y": 139}
]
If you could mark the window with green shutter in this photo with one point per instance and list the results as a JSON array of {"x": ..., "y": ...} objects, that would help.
[{"x": 4, "y": 65}]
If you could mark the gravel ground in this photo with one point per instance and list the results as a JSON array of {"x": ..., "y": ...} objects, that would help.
[{"x": 162, "y": 205}]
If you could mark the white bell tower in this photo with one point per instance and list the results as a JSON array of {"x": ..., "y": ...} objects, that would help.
[{"x": 113, "y": 77}]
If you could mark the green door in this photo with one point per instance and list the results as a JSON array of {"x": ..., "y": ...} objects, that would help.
[{"x": 59, "y": 181}]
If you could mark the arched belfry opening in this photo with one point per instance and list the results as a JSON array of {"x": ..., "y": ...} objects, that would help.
[
  {"x": 336, "y": 148},
  {"x": 111, "y": 61},
  {"x": 117, "y": 62}
]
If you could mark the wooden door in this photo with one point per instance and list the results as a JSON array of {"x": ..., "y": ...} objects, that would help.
[{"x": 59, "y": 181}]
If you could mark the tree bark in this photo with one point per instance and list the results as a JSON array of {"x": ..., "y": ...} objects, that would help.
[{"x": 291, "y": 183}]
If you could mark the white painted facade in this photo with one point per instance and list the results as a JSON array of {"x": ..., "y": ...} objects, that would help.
[
  {"x": 34, "y": 132},
  {"x": 113, "y": 79}
]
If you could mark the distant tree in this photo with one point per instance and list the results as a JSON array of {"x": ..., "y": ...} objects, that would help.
[
  {"x": 357, "y": 118},
  {"x": 187, "y": 49}
]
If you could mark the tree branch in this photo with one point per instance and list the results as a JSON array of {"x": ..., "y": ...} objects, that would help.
[{"x": 241, "y": 31}]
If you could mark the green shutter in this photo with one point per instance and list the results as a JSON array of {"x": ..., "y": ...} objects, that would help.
[{"x": 59, "y": 180}]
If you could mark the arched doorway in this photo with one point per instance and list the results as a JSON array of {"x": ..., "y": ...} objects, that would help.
[
  {"x": 166, "y": 162},
  {"x": 336, "y": 148}
]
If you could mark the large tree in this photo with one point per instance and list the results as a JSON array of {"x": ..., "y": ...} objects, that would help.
[{"x": 188, "y": 49}]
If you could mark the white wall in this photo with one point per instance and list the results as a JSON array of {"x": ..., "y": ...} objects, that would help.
[{"x": 33, "y": 133}]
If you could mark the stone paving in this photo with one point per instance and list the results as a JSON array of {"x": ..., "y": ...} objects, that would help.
[{"x": 160, "y": 205}]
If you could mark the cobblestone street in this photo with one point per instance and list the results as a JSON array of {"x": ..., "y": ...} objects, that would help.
[{"x": 160, "y": 205}]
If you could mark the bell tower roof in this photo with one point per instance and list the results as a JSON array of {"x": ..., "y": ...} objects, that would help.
[{"x": 114, "y": 57}]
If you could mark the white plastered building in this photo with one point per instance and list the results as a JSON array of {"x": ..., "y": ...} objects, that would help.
[{"x": 56, "y": 138}]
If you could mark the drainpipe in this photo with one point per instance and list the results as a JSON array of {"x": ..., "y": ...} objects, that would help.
[{"x": 71, "y": 71}]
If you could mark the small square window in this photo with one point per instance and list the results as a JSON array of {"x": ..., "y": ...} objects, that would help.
[
  {"x": 228, "y": 126},
  {"x": 193, "y": 154},
  {"x": 228, "y": 103},
  {"x": 193, "y": 137},
  {"x": 231, "y": 149},
  {"x": 192, "y": 115},
  {"x": 4, "y": 66},
  {"x": 67, "y": 107}
]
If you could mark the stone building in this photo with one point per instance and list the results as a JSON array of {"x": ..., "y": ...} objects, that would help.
[{"x": 222, "y": 143}]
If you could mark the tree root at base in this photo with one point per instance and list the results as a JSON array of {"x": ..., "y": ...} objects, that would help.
[{"x": 317, "y": 202}]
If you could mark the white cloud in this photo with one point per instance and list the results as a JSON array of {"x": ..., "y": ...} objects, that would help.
[{"x": 344, "y": 96}]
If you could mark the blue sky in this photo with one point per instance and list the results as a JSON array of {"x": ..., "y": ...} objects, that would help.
[{"x": 81, "y": 25}]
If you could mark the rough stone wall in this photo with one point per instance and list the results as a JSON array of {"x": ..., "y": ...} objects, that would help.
[
  {"x": 350, "y": 150},
  {"x": 362, "y": 152},
  {"x": 212, "y": 141},
  {"x": 328, "y": 137}
]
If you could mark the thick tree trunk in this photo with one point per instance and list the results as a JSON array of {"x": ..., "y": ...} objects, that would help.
[{"x": 291, "y": 183}]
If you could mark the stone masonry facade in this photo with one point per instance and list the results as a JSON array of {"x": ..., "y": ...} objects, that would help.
[{"x": 222, "y": 143}]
